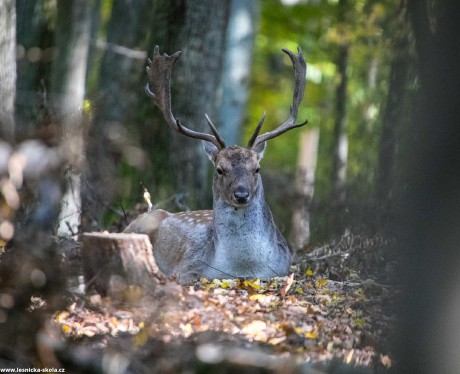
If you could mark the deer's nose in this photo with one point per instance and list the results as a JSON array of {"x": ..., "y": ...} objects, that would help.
[{"x": 241, "y": 194}]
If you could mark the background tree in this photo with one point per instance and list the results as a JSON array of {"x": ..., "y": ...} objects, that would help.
[
  {"x": 7, "y": 68},
  {"x": 394, "y": 115},
  {"x": 304, "y": 189},
  {"x": 115, "y": 98},
  {"x": 237, "y": 67},
  {"x": 178, "y": 163},
  {"x": 340, "y": 135},
  {"x": 32, "y": 54},
  {"x": 68, "y": 85}
]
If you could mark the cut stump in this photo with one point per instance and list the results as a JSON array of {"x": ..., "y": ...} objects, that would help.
[{"x": 116, "y": 262}]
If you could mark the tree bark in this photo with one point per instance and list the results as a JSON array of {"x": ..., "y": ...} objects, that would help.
[
  {"x": 68, "y": 86},
  {"x": 7, "y": 68},
  {"x": 428, "y": 220},
  {"x": 95, "y": 10},
  {"x": 30, "y": 30},
  {"x": 393, "y": 116},
  {"x": 179, "y": 163},
  {"x": 113, "y": 262},
  {"x": 305, "y": 186},
  {"x": 340, "y": 146}
]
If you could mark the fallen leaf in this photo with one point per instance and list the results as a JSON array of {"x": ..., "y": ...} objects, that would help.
[
  {"x": 187, "y": 329},
  {"x": 359, "y": 322},
  {"x": 385, "y": 360},
  {"x": 141, "y": 338},
  {"x": 255, "y": 283},
  {"x": 320, "y": 283},
  {"x": 275, "y": 341},
  {"x": 66, "y": 329},
  {"x": 204, "y": 280},
  {"x": 349, "y": 356},
  {"x": 288, "y": 285},
  {"x": 60, "y": 317},
  {"x": 255, "y": 329},
  {"x": 225, "y": 285},
  {"x": 89, "y": 331}
]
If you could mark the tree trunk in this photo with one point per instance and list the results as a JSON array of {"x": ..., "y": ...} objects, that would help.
[
  {"x": 237, "y": 67},
  {"x": 7, "y": 68},
  {"x": 122, "y": 63},
  {"x": 95, "y": 10},
  {"x": 30, "y": 29},
  {"x": 179, "y": 163},
  {"x": 68, "y": 85},
  {"x": 429, "y": 215},
  {"x": 304, "y": 185},
  {"x": 340, "y": 146},
  {"x": 393, "y": 117},
  {"x": 113, "y": 262}
]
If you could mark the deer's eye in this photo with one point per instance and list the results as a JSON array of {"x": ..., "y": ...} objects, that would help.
[
  {"x": 257, "y": 170},
  {"x": 219, "y": 171}
]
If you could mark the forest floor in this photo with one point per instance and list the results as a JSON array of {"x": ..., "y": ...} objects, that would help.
[{"x": 335, "y": 313}]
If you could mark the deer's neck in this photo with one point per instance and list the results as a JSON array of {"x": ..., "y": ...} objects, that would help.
[
  {"x": 235, "y": 222},
  {"x": 244, "y": 238}
]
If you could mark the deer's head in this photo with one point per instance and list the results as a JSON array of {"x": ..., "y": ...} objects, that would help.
[{"x": 236, "y": 178}]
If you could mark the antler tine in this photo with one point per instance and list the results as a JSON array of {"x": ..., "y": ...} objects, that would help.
[
  {"x": 256, "y": 132},
  {"x": 197, "y": 135},
  {"x": 214, "y": 131},
  {"x": 300, "y": 70},
  {"x": 159, "y": 71}
]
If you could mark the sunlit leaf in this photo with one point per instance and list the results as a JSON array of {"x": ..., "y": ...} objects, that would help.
[
  {"x": 66, "y": 329},
  {"x": 321, "y": 283},
  {"x": 256, "y": 330},
  {"x": 275, "y": 341},
  {"x": 386, "y": 361},
  {"x": 204, "y": 280},
  {"x": 61, "y": 316},
  {"x": 349, "y": 356},
  {"x": 288, "y": 285},
  {"x": 359, "y": 322},
  {"x": 255, "y": 283},
  {"x": 225, "y": 285}
]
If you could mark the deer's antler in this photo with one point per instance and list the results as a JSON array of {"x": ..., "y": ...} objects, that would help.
[
  {"x": 159, "y": 71},
  {"x": 300, "y": 70}
]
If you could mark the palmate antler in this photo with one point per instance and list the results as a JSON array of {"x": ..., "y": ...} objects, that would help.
[
  {"x": 300, "y": 71},
  {"x": 159, "y": 70}
]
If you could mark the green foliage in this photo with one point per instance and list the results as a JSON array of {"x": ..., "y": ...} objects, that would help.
[{"x": 369, "y": 28}]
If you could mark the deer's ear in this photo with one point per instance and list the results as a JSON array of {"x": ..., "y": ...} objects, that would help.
[
  {"x": 260, "y": 149},
  {"x": 211, "y": 150}
]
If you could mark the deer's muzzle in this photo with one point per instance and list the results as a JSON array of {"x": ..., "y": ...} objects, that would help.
[{"x": 241, "y": 195}]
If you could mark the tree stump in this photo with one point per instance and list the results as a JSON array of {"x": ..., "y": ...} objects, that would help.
[{"x": 114, "y": 263}]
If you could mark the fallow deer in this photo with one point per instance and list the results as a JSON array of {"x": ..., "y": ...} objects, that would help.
[{"x": 238, "y": 238}]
